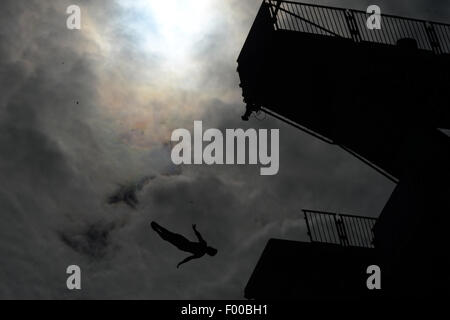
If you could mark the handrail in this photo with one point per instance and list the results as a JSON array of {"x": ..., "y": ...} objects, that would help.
[
  {"x": 351, "y": 24},
  {"x": 342, "y": 229}
]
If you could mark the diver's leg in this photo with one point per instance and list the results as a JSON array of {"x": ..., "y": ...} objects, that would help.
[
  {"x": 176, "y": 239},
  {"x": 158, "y": 228},
  {"x": 155, "y": 226},
  {"x": 163, "y": 232}
]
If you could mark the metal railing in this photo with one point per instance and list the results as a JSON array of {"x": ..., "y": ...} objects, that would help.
[
  {"x": 351, "y": 24},
  {"x": 343, "y": 229}
]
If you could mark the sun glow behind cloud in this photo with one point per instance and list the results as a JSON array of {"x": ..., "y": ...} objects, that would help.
[
  {"x": 149, "y": 57},
  {"x": 148, "y": 65},
  {"x": 169, "y": 28}
]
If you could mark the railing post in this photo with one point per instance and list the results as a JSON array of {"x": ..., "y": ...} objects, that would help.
[
  {"x": 307, "y": 225},
  {"x": 274, "y": 12},
  {"x": 432, "y": 38},
  {"x": 342, "y": 234},
  {"x": 352, "y": 25}
]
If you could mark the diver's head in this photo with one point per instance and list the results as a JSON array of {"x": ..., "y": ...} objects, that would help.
[{"x": 211, "y": 251}]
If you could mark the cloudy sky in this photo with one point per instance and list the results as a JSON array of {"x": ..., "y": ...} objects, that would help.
[{"x": 82, "y": 111}]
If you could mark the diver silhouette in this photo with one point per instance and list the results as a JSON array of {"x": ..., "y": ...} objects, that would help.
[{"x": 198, "y": 249}]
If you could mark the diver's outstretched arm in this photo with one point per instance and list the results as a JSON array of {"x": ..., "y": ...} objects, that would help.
[
  {"x": 199, "y": 236},
  {"x": 186, "y": 260}
]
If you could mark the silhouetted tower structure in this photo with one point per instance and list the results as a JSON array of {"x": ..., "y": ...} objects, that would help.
[{"x": 382, "y": 95}]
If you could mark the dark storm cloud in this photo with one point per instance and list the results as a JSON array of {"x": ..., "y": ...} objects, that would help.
[
  {"x": 60, "y": 160},
  {"x": 95, "y": 241}
]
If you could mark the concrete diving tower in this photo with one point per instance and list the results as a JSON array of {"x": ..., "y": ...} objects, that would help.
[
  {"x": 365, "y": 90},
  {"x": 382, "y": 95}
]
